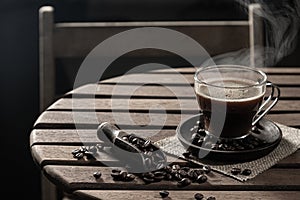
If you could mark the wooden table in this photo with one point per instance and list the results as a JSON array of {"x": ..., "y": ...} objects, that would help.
[{"x": 54, "y": 137}]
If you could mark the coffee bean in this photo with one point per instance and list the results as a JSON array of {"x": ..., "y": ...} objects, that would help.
[
  {"x": 116, "y": 176},
  {"x": 246, "y": 172},
  {"x": 206, "y": 169},
  {"x": 201, "y": 178},
  {"x": 193, "y": 175},
  {"x": 235, "y": 171},
  {"x": 168, "y": 169},
  {"x": 148, "y": 175},
  {"x": 199, "y": 171},
  {"x": 168, "y": 177},
  {"x": 147, "y": 144},
  {"x": 97, "y": 174},
  {"x": 198, "y": 196},
  {"x": 185, "y": 169},
  {"x": 184, "y": 182},
  {"x": 175, "y": 167},
  {"x": 211, "y": 198},
  {"x": 183, "y": 173},
  {"x": 123, "y": 175},
  {"x": 177, "y": 176},
  {"x": 163, "y": 193},
  {"x": 75, "y": 151},
  {"x": 115, "y": 170},
  {"x": 130, "y": 177},
  {"x": 79, "y": 155},
  {"x": 159, "y": 173},
  {"x": 148, "y": 180},
  {"x": 83, "y": 149},
  {"x": 89, "y": 154}
]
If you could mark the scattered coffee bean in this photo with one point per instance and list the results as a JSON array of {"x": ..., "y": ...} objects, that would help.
[
  {"x": 164, "y": 193},
  {"x": 115, "y": 170},
  {"x": 184, "y": 182},
  {"x": 175, "y": 167},
  {"x": 211, "y": 198},
  {"x": 84, "y": 151},
  {"x": 198, "y": 196},
  {"x": 246, "y": 172},
  {"x": 89, "y": 154},
  {"x": 235, "y": 171},
  {"x": 79, "y": 155},
  {"x": 206, "y": 169},
  {"x": 168, "y": 177},
  {"x": 129, "y": 177},
  {"x": 201, "y": 178},
  {"x": 75, "y": 151},
  {"x": 148, "y": 180},
  {"x": 97, "y": 174}
]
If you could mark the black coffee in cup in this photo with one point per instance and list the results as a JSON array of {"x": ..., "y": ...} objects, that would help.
[{"x": 234, "y": 97}]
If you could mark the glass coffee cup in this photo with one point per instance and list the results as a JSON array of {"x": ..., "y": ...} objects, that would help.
[{"x": 233, "y": 98}]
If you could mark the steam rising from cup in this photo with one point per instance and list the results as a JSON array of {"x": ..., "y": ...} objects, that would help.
[{"x": 281, "y": 22}]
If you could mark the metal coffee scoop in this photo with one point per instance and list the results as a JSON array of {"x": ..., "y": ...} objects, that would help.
[{"x": 139, "y": 154}]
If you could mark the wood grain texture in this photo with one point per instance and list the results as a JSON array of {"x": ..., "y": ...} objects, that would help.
[
  {"x": 92, "y": 120},
  {"x": 179, "y": 105},
  {"x": 186, "y": 79},
  {"x": 189, "y": 195},
  {"x": 64, "y": 119},
  {"x": 125, "y": 91},
  {"x": 60, "y": 154},
  {"x": 75, "y": 137},
  {"x": 81, "y": 177}
]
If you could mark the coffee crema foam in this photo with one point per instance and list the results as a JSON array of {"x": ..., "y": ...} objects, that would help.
[{"x": 231, "y": 90}]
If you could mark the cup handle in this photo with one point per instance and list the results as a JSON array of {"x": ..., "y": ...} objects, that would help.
[{"x": 272, "y": 98}]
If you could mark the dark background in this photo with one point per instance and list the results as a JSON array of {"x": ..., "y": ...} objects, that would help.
[{"x": 19, "y": 66}]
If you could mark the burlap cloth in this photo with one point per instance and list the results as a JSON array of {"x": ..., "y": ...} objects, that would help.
[{"x": 289, "y": 144}]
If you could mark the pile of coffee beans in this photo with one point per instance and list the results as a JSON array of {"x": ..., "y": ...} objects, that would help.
[
  {"x": 153, "y": 157},
  {"x": 202, "y": 139},
  {"x": 85, "y": 151},
  {"x": 122, "y": 175},
  {"x": 184, "y": 176}
]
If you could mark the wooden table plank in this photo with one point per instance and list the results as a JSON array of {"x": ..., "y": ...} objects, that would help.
[
  {"x": 182, "y": 194},
  {"x": 81, "y": 177},
  {"x": 73, "y": 136},
  {"x": 102, "y": 90},
  {"x": 179, "y": 105},
  {"x": 187, "y": 79},
  {"x": 64, "y": 119},
  {"x": 60, "y": 154}
]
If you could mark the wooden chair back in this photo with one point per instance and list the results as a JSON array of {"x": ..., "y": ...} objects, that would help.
[{"x": 72, "y": 41}]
